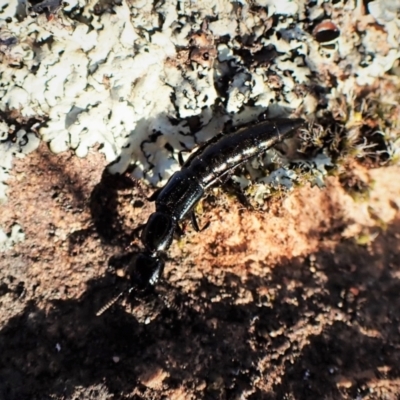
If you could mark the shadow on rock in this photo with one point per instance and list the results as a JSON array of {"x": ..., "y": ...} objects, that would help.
[{"x": 104, "y": 208}]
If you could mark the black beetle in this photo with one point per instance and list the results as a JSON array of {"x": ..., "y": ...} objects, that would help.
[{"x": 212, "y": 163}]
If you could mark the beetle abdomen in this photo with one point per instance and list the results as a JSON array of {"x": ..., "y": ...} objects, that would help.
[{"x": 227, "y": 152}]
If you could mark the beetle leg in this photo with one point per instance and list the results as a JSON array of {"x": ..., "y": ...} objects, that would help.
[
  {"x": 231, "y": 187},
  {"x": 180, "y": 156},
  {"x": 194, "y": 221},
  {"x": 137, "y": 230},
  {"x": 225, "y": 178},
  {"x": 179, "y": 230},
  {"x": 180, "y": 159},
  {"x": 135, "y": 234},
  {"x": 154, "y": 196}
]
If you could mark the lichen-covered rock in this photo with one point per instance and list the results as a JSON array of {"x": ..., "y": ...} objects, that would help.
[{"x": 143, "y": 82}]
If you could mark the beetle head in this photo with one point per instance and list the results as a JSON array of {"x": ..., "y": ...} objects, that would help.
[{"x": 145, "y": 270}]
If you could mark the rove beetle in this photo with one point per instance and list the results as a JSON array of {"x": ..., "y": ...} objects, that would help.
[{"x": 211, "y": 164}]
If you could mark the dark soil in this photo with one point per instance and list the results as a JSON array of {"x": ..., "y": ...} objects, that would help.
[{"x": 298, "y": 302}]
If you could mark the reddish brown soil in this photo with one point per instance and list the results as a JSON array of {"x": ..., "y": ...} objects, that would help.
[{"x": 298, "y": 302}]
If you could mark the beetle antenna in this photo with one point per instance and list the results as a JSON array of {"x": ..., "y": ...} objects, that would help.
[
  {"x": 113, "y": 301},
  {"x": 109, "y": 304}
]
